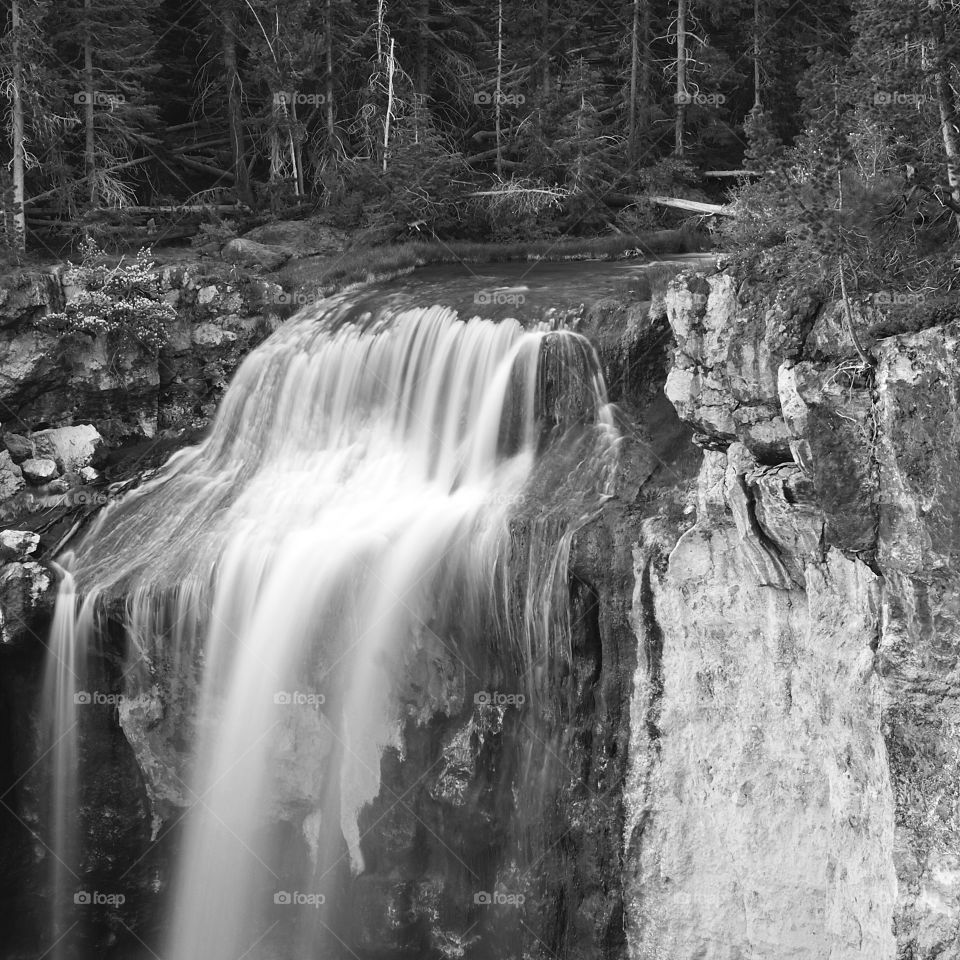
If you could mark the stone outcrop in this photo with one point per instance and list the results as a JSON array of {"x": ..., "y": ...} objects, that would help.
[
  {"x": 123, "y": 390},
  {"x": 795, "y": 776}
]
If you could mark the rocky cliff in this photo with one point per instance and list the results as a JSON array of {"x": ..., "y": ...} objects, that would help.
[{"x": 794, "y": 759}]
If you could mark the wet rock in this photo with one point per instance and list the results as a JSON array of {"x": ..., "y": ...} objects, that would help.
[
  {"x": 39, "y": 470},
  {"x": 11, "y": 476},
  {"x": 17, "y": 544},
  {"x": 20, "y": 447},
  {"x": 71, "y": 448},
  {"x": 27, "y": 592}
]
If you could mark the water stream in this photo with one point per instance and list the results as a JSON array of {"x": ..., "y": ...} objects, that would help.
[{"x": 378, "y": 476}]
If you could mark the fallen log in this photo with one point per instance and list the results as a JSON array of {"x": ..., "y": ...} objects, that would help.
[
  {"x": 734, "y": 173},
  {"x": 694, "y": 206}
]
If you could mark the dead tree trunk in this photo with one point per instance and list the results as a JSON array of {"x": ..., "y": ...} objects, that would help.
[
  {"x": 946, "y": 104},
  {"x": 682, "y": 95},
  {"x": 17, "y": 132},
  {"x": 238, "y": 145},
  {"x": 89, "y": 149}
]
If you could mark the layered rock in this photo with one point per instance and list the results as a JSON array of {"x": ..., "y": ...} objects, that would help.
[
  {"x": 795, "y": 742},
  {"x": 122, "y": 389}
]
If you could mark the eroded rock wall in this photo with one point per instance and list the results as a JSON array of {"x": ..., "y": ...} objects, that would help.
[{"x": 794, "y": 788}]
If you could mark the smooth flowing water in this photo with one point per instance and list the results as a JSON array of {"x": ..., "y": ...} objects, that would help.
[{"x": 361, "y": 488}]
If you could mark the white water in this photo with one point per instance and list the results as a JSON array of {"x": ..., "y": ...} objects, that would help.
[{"x": 355, "y": 495}]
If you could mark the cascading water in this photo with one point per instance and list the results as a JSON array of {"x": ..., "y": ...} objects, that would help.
[{"x": 360, "y": 490}]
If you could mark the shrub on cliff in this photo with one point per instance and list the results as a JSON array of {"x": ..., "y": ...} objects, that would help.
[
  {"x": 121, "y": 302},
  {"x": 858, "y": 202}
]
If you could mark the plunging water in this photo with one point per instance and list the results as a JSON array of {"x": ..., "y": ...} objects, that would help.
[{"x": 358, "y": 493}]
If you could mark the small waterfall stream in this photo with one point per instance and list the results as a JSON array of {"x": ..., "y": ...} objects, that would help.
[{"x": 362, "y": 489}]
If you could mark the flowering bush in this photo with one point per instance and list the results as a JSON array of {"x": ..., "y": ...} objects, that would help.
[{"x": 121, "y": 301}]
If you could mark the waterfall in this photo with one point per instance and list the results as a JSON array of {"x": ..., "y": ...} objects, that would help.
[{"x": 360, "y": 490}]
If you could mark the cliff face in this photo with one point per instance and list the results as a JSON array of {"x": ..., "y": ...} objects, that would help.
[
  {"x": 795, "y": 780},
  {"x": 125, "y": 391}
]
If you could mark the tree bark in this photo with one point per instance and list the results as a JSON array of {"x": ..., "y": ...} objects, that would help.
[
  {"x": 234, "y": 106},
  {"x": 498, "y": 95},
  {"x": 757, "y": 100},
  {"x": 328, "y": 30},
  {"x": 634, "y": 77},
  {"x": 89, "y": 150},
  {"x": 545, "y": 51},
  {"x": 681, "y": 97},
  {"x": 17, "y": 133},
  {"x": 386, "y": 119},
  {"x": 423, "y": 47},
  {"x": 945, "y": 102}
]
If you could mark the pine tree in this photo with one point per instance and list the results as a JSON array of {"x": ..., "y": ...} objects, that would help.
[{"x": 108, "y": 60}]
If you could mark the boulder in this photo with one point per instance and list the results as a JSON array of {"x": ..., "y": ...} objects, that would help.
[
  {"x": 71, "y": 448},
  {"x": 17, "y": 544},
  {"x": 39, "y": 469},
  {"x": 11, "y": 476},
  {"x": 307, "y": 238},
  {"x": 26, "y": 594},
  {"x": 249, "y": 253},
  {"x": 20, "y": 447}
]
